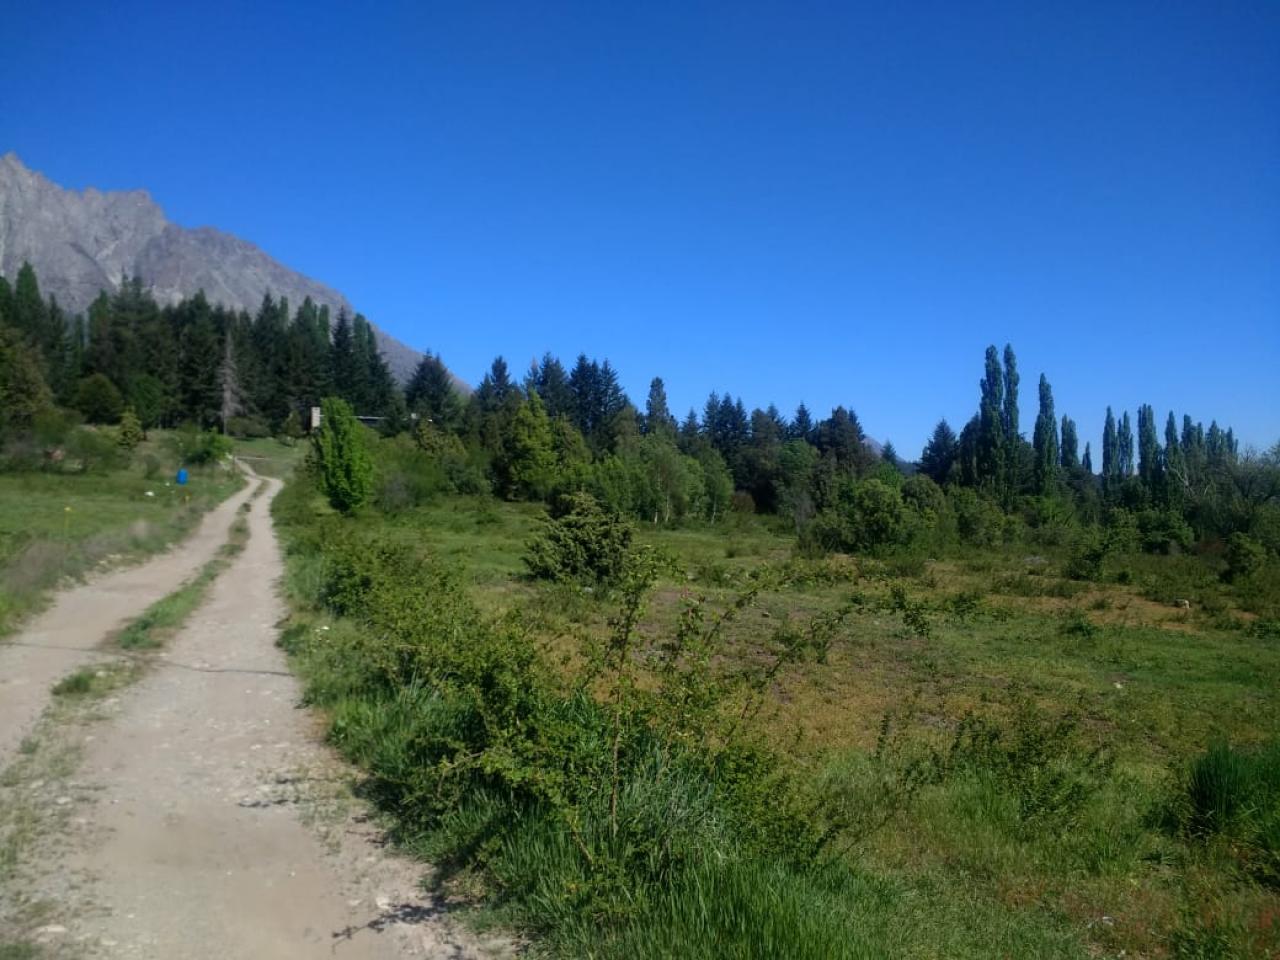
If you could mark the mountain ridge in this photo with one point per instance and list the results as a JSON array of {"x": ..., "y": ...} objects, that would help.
[{"x": 81, "y": 242}]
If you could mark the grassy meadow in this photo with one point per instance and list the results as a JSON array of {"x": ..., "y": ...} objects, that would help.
[
  {"x": 57, "y": 526},
  {"x": 1000, "y": 761}
]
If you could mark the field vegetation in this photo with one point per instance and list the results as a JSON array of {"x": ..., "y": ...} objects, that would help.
[
  {"x": 724, "y": 738},
  {"x": 80, "y": 500}
]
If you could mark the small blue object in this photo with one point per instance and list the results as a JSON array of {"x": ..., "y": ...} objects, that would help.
[{"x": 182, "y": 477}]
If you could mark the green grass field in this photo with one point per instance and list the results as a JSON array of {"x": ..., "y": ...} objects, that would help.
[
  {"x": 56, "y": 527},
  {"x": 270, "y": 457},
  {"x": 1044, "y": 829}
]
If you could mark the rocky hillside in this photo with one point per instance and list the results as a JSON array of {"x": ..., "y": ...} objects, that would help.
[{"x": 84, "y": 242}]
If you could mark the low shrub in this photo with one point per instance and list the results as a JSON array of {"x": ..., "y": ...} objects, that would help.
[{"x": 580, "y": 542}]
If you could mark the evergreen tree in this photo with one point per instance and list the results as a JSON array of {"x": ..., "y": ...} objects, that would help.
[
  {"x": 1045, "y": 441},
  {"x": 801, "y": 424},
  {"x": 939, "y": 454},
  {"x": 529, "y": 458},
  {"x": 657, "y": 416},
  {"x": 552, "y": 384},
  {"x": 888, "y": 454},
  {"x": 430, "y": 393},
  {"x": 28, "y": 312},
  {"x": 1070, "y": 456},
  {"x": 23, "y": 393},
  {"x": 343, "y": 359}
]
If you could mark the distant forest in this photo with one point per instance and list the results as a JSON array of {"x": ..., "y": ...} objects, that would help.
[{"x": 560, "y": 428}]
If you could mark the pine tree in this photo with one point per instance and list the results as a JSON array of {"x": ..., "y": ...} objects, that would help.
[
  {"x": 23, "y": 392},
  {"x": 801, "y": 424},
  {"x": 1045, "y": 441},
  {"x": 342, "y": 359},
  {"x": 888, "y": 454},
  {"x": 552, "y": 384},
  {"x": 657, "y": 417},
  {"x": 939, "y": 453},
  {"x": 29, "y": 311}
]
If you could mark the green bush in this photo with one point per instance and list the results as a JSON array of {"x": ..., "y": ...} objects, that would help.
[
  {"x": 1036, "y": 759},
  {"x": 1164, "y": 531},
  {"x": 580, "y": 542},
  {"x": 1244, "y": 556},
  {"x": 99, "y": 399},
  {"x": 339, "y": 457},
  {"x": 249, "y": 428},
  {"x": 406, "y": 476},
  {"x": 198, "y": 447}
]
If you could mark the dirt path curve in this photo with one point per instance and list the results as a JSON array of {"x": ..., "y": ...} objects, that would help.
[
  {"x": 59, "y": 640},
  {"x": 213, "y": 828}
]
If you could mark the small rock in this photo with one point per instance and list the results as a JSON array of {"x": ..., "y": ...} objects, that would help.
[
  {"x": 62, "y": 801},
  {"x": 52, "y": 930}
]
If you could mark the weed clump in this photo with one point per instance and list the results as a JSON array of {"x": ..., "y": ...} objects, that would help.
[{"x": 1231, "y": 796}]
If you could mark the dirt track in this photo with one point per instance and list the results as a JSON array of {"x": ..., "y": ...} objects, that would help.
[
  {"x": 60, "y": 639},
  {"x": 211, "y": 823}
]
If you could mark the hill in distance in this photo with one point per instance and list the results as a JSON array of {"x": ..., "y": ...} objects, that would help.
[{"x": 83, "y": 242}]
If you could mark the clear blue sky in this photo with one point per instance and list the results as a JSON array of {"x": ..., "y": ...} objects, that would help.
[{"x": 823, "y": 202}]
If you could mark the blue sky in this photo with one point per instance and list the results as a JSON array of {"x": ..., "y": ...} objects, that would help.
[{"x": 832, "y": 203}]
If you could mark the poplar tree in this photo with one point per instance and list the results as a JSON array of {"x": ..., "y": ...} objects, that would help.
[
  {"x": 1110, "y": 453},
  {"x": 1148, "y": 448},
  {"x": 1070, "y": 455},
  {"x": 1045, "y": 440},
  {"x": 1086, "y": 462},
  {"x": 1124, "y": 446},
  {"x": 991, "y": 452}
]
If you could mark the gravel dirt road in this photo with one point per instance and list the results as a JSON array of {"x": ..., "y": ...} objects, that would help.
[{"x": 209, "y": 821}]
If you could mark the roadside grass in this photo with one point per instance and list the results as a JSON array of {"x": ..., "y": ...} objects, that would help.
[
  {"x": 55, "y": 527},
  {"x": 1012, "y": 847}
]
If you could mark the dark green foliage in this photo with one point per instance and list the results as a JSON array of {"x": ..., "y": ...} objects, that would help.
[
  {"x": 580, "y": 542},
  {"x": 1045, "y": 441},
  {"x": 1244, "y": 556},
  {"x": 99, "y": 400},
  {"x": 940, "y": 453},
  {"x": 24, "y": 395},
  {"x": 339, "y": 457}
]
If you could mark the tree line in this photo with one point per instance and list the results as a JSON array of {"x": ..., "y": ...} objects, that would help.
[{"x": 562, "y": 428}]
